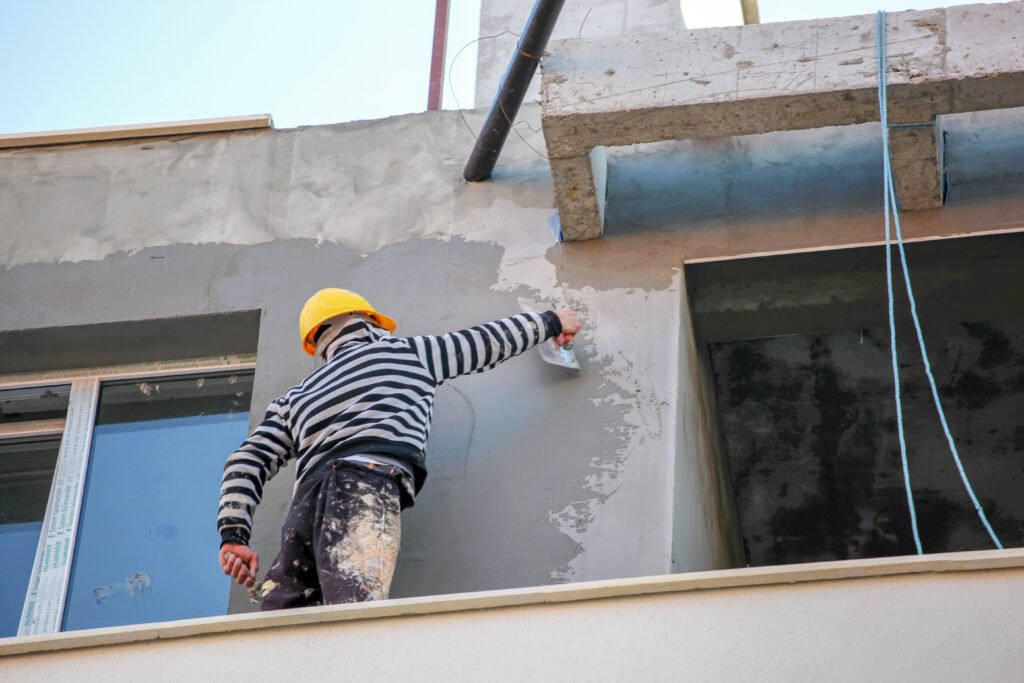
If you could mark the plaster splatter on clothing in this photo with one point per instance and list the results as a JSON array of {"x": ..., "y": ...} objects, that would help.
[{"x": 340, "y": 540}]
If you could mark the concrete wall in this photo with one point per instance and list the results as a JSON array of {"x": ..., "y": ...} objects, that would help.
[
  {"x": 536, "y": 475},
  {"x": 500, "y": 19},
  {"x": 705, "y": 479}
]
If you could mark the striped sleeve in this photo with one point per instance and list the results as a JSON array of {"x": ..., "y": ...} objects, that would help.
[
  {"x": 249, "y": 468},
  {"x": 483, "y": 347}
]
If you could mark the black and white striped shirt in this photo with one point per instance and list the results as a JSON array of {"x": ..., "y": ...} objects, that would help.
[{"x": 374, "y": 395}]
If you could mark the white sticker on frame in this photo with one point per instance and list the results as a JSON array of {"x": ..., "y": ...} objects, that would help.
[{"x": 51, "y": 571}]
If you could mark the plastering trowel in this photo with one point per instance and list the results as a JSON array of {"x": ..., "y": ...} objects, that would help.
[{"x": 550, "y": 351}]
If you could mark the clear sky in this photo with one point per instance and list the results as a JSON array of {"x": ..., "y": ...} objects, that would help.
[{"x": 85, "y": 63}]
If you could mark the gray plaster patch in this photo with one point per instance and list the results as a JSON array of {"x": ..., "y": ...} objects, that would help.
[{"x": 508, "y": 448}]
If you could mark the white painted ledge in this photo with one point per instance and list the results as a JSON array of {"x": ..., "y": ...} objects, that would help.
[
  {"x": 145, "y": 130},
  {"x": 947, "y": 563}
]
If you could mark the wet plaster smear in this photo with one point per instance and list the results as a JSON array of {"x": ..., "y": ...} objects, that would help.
[{"x": 536, "y": 475}]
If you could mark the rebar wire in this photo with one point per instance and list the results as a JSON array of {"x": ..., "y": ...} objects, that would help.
[
  {"x": 458, "y": 105},
  {"x": 586, "y": 16}
]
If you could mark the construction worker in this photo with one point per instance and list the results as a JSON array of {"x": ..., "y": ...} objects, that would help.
[{"x": 357, "y": 427}]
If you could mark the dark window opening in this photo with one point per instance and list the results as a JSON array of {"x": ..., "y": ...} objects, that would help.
[
  {"x": 33, "y": 404},
  {"x": 798, "y": 348}
]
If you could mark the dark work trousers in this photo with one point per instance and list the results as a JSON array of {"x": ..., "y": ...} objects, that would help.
[{"x": 340, "y": 539}]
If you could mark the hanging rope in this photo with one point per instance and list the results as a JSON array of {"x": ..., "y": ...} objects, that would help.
[
  {"x": 889, "y": 193},
  {"x": 887, "y": 173}
]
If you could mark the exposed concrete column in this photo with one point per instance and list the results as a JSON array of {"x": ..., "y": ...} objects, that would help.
[
  {"x": 918, "y": 167},
  {"x": 580, "y": 188}
]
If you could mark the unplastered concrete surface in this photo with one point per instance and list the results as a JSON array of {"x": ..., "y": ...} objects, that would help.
[
  {"x": 804, "y": 74},
  {"x": 537, "y": 475},
  {"x": 502, "y": 20}
]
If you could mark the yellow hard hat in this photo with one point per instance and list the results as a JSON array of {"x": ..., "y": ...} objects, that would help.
[{"x": 330, "y": 302}]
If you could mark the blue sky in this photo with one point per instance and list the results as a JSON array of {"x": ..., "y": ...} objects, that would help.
[{"x": 85, "y": 63}]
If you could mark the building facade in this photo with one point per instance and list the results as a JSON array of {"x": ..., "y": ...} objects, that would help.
[{"x": 690, "y": 485}]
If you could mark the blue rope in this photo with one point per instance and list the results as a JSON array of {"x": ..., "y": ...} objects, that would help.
[
  {"x": 890, "y": 201},
  {"x": 886, "y": 193}
]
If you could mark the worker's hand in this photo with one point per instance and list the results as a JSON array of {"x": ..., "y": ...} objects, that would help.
[
  {"x": 570, "y": 324},
  {"x": 240, "y": 562}
]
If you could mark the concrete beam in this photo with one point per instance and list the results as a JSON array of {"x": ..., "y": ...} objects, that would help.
[{"x": 745, "y": 80}]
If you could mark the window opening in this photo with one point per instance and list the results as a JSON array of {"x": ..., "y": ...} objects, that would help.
[
  {"x": 164, "y": 429},
  {"x": 32, "y": 410},
  {"x": 798, "y": 348},
  {"x": 145, "y": 533}
]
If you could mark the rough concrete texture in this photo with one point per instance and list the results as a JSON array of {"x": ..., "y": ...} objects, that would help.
[
  {"x": 720, "y": 82},
  {"x": 583, "y": 182},
  {"x": 536, "y": 476},
  {"x": 502, "y": 20},
  {"x": 918, "y": 166}
]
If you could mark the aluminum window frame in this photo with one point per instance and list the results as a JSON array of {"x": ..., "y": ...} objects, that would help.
[{"x": 46, "y": 595}]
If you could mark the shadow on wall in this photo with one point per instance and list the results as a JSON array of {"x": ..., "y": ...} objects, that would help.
[
  {"x": 984, "y": 154},
  {"x": 670, "y": 185},
  {"x": 667, "y": 185}
]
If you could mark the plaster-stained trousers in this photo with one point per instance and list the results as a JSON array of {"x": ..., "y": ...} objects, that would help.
[{"x": 340, "y": 539}]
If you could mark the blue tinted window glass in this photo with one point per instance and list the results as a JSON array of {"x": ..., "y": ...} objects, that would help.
[
  {"x": 26, "y": 473},
  {"x": 147, "y": 543}
]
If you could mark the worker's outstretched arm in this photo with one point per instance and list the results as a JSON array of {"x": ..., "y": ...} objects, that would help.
[
  {"x": 482, "y": 347},
  {"x": 247, "y": 470}
]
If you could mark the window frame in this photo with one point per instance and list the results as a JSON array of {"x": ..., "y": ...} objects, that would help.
[{"x": 46, "y": 595}]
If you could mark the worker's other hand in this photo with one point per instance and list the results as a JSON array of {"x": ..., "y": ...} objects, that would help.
[
  {"x": 240, "y": 562},
  {"x": 570, "y": 324}
]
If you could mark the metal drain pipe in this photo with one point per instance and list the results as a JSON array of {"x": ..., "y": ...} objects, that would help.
[{"x": 513, "y": 87}]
